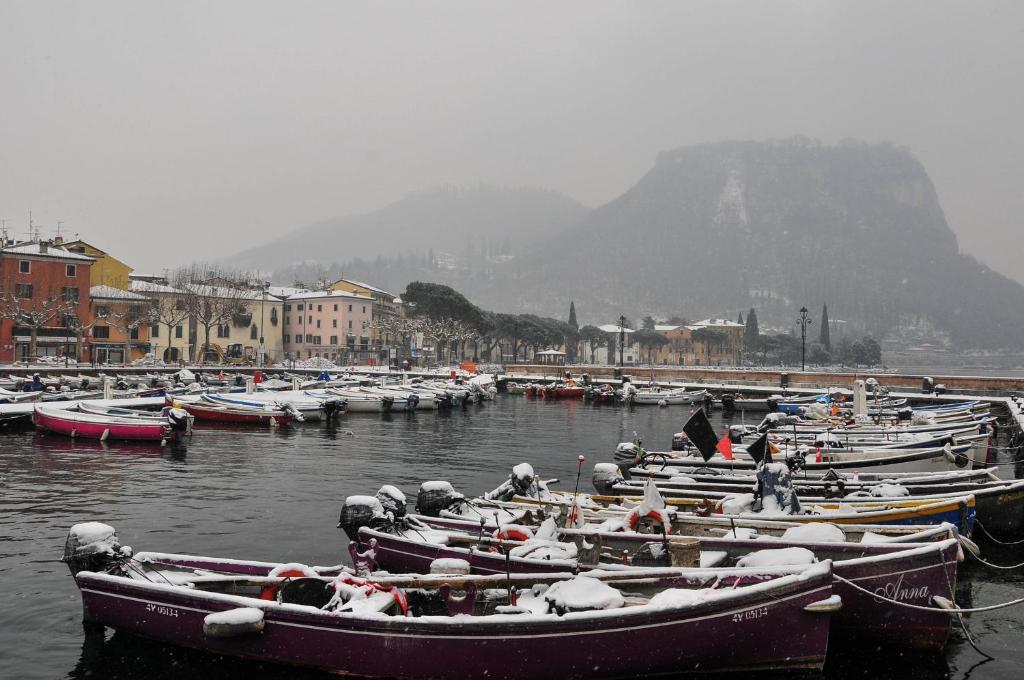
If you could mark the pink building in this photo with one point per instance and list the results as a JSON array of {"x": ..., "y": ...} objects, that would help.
[{"x": 332, "y": 324}]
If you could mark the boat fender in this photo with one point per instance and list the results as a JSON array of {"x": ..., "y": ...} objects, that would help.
[
  {"x": 105, "y": 435},
  {"x": 634, "y": 518},
  {"x": 513, "y": 534},
  {"x": 233, "y": 623},
  {"x": 832, "y": 603},
  {"x": 270, "y": 592}
]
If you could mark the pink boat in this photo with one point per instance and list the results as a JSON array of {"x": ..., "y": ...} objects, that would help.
[{"x": 103, "y": 426}]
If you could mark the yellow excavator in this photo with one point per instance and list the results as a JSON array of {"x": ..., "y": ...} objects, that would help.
[{"x": 234, "y": 355}]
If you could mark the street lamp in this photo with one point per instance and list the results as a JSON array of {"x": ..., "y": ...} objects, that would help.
[
  {"x": 622, "y": 338},
  {"x": 262, "y": 351},
  {"x": 804, "y": 321}
]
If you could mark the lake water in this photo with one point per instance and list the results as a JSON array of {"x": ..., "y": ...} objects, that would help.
[{"x": 276, "y": 494}]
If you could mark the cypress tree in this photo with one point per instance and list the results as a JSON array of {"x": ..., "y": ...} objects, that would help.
[
  {"x": 751, "y": 334},
  {"x": 572, "y": 315},
  {"x": 740, "y": 320},
  {"x": 823, "y": 333}
]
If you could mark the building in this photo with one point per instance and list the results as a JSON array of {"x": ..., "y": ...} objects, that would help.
[
  {"x": 106, "y": 270},
  {"x": 44, "y": 300},
  {"x": 386, "y": 307},
  {"x": 121, "y": 327},
  {"x": 711, "y": 342},
  {"x": 238, "y": 319},
  {"x": 332, "y": 324},
  {"x": 608, "y": 354}
]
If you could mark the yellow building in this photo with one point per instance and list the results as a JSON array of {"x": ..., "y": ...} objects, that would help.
[
  {"x": 107, "y": 270},
  {"x": 711, "y": 342}
]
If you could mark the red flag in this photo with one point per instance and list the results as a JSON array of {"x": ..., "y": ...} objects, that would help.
[
  {"x": 817, "y": 455},
  {"x": 724, "y": 447}
]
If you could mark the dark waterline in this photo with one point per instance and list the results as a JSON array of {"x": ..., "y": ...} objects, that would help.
[{"x": 275, "y": 495}]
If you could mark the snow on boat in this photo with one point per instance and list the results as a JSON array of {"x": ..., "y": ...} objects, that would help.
[
  {"x": 240, "y": 415},
  {"x": 452, "y": 624},
  {"x": 104, "y": 426},
  {"x": 667, "y": 397}
]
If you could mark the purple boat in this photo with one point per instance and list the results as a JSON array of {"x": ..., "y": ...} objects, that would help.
[
  {"x": 454, "y": 625},
  {"x": 909, "y": 573}
]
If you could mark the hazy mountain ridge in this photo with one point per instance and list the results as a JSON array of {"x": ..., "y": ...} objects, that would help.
[
  {"x": 455, "y": 220},
  {"x": 716, "y": 229}
]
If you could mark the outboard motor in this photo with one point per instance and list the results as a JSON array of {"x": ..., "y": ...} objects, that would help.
[
  {"x": 775, "y": 490},
  {"x": 121, "y": 384},
  {"x": 411, "y": 401},
  {"x": 289, "y": 408},
  {"x": 736, "y": 433},
  {"x": 392, "y": 500},
  {"x": 728, "y": 402},
  {"x": 433, "y": 497},
  {"x": 905, "y": 413},
  {"x": 239, "y": 381},
  {"x": 178, "y": 419},
  {"x": 333, "y": 408},
  {"x": 606, "y": 476},
  {"x": 92, "y": 546},
  {"x": 84, "y": 384},
  {"x": 773, "y": 403},
  {"x": 361, "y": 511}
]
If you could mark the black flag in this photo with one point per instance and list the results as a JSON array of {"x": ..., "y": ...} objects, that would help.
[
  {"x": 760, "y": 450},
  {"x": 700, "y": 432}
]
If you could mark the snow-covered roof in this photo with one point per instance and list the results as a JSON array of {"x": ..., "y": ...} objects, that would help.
[
  {"x": 285, "y": 291},
  {"x": 151, "y": 287},
  {"x": 614, "y": 328},
  {"x": 663, "y": 328},
  {"x": 225, "y": 292},
  {"x": 111, "y": 293},
  {"x": 718, "y": 322},
  {"x": 368, "y": 287},
  {"x": 551, "y": 353},
  {"x": 36, "y": 249},
  {"x": 310, "y": 295}
]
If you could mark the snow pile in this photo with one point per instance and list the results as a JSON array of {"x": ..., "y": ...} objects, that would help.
[
  {"x": 872, "y": 537},
  {"x": 241, "y": 616},
  {"x": 291, "y": 568},
  {"x": 815, "y": 532},
  {"x": 315, "y": 363},
  {"x": 583, "y": 593},
  {"x": 449, "y": 565},
  {"x": 682, "y": 479},
  {"x": 741, "y": 534},
  {"x": 712, "y": 558},
  {"x": 738, "y": 504},
  {"x": 90, "y": 538},
  {"x": 889, "y": 491},
  {"x": 777, "y": 557},
  {"x": 607, "y": 472},
  {"x": 673, "y": 598},
  {"x": 922, "y": 418}
]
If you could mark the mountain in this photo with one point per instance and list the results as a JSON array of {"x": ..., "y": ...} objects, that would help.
[
  {"x": 719, "y": 228},
  {"x": 452, "y": 222}
]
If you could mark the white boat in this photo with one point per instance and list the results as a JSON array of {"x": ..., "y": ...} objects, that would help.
[{"x": 667, "y": 397}]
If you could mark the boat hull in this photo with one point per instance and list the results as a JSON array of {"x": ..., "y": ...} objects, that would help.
[{"x": 87, "y": 429}]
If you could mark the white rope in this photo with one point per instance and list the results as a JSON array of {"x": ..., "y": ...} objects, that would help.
[
  {"x": 937, "y": 610},
  {"x": 993, "y": 538},
  {"x": 977, "y": 556}
]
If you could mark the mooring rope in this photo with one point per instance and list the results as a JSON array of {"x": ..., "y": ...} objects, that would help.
[
  {"x": 937, "y": 610},
  {"x": 977, "y": 556},
  {"x": 993, "y": 538}
]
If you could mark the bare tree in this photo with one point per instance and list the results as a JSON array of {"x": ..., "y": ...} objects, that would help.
[
  {"x": 33, "y": 309},
  {"x": 129, "y": 319},
  {"x": 213, "y": 297}
]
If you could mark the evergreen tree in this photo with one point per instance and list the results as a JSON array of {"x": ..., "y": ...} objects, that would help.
[
  {"x": 823, "y": 335},
  {"x": 751, "y": 335},
  {"x": 572, "y": 314},
  {"x": 740, "y": 320}
]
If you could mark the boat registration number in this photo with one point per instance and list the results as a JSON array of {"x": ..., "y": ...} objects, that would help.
[
  {"x": 750, "y": 614},
  {"x": 162, "y": 610}
]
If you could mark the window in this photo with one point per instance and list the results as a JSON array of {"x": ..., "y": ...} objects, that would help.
[
  {"x": 24, "y": 267},
  {"x": 334, "y": 323},
  {"x": 350, "y": 324},
  {"x": 254, "y": 332},
  {"x": 309, "y": 338},
  {"x": 23, "y": 290},
  {"x": 287, "y": 308},
  {"x": 335, "y": 306},
  {"x": 287, "y": 320},
  {"x": 350, "y": 308},
  {"x": 298, "y": 338},
  {"x": 309, "y": 319},
  {"x": 350, "y": 340},
  {"x": 134, "y": 333},
  {"x": 334, "y": 339},
  {"x": 69, "y": 294},
  {"x": 102, "y": 332},
  {"x": 102, "y": 310},
  {"x": 222, "y": 331},
  {"x": 273, "y": 316},
  {"x": 364, "y": 309},
  {"x": 177, "y": 331},
  {"x": 317, "y": 340},
  {"x": 319, "y": 308},
  {"x": 299, "y": 306},
  {"x": 287, "y": 339},
  {"x": 154, "y": 331},
  {"x": 318, "y": 323},
  {"x": 71, "y": 270}
]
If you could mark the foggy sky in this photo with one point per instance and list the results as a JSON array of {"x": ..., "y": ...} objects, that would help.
[{"x": 168, "y": 132}]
